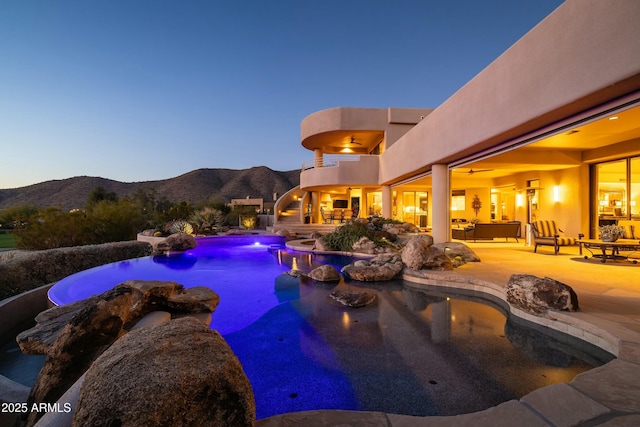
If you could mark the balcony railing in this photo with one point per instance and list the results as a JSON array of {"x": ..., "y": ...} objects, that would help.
[{"x": 329, "y": 161}]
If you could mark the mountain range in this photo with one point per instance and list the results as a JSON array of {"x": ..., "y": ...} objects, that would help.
[{"x": 193, "y": 187}]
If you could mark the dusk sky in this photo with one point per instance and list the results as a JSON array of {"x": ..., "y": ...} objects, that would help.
[{"x": 139, "y": 90}]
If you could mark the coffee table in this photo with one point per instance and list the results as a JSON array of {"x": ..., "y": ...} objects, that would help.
[{"x": 614, "y": 248}]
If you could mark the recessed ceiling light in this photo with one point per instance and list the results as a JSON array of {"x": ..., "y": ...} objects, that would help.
[{"x": 613, "y": 118}]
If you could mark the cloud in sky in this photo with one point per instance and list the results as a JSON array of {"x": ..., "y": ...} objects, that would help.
[{"x": 148, "y": 90}]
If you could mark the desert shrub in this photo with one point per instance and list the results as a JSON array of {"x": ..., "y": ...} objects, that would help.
[
  {"x": 207, "y": 218},
  {"x": 343, "y": 237},
  {"x": 99, "y": 194},
  {"x": 105, "y": 221},
  {"x": 242, "y": 215},
  {"x": 180, "y": 226},
  {"x": 17, "y": 214},
  {"x": 182, "y": 210},
  {"x": 115, "y": 221},
  {"x": 54, "y": 228}
]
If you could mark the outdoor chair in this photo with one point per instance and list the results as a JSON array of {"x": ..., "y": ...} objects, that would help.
[
  {"x": 547, "y": 233},
  {"x": 326, "y": 218}
]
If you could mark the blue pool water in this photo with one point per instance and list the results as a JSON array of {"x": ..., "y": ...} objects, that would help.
[{"x": 412, "y": 352}]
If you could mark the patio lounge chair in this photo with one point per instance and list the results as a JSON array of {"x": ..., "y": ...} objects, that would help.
[{"x": 547, "y": 233}]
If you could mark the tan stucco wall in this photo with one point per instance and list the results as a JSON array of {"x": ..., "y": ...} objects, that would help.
[
  {"x": 395, "y": 122},
  {"x": 348, "y": 173},
  {"x": 585, "y": 53}
]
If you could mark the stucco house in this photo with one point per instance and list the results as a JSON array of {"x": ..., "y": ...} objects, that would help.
[{"x": 549, "y": 130}]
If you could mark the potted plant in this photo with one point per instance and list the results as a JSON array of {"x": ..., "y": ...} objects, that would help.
[{"x": 610, "y": 233}]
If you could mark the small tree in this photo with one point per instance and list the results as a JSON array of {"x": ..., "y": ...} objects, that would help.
[
  {"x": 99, "y": 194},
  {"x": 182, "y": 210},
  {"x": 18, "y": 214}
]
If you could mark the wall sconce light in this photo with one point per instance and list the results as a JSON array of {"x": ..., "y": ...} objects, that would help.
[
  {"x": 556, "y": 193},
  {"x": 519, "y": 200}
]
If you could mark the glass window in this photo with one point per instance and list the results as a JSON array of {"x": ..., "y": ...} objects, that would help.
[
  {"x": 634, "y": 199},
  {"x": 458, "y": 203},
  {"x": 612, "y": 190},
  {"x": 374, "y": 203},
  {"x": 415, "y": 205}
]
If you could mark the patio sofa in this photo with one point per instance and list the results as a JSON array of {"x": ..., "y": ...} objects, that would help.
[{"x": 488, "y": 231}]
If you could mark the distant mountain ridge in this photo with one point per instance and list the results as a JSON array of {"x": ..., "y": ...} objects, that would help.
[{"x": 193, "y": 187}]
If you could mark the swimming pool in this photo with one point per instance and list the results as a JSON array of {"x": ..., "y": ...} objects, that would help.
[{"x": 415, "y": 352}]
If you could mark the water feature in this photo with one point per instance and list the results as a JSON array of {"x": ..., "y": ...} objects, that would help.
[{"x": 433, "y": 351}]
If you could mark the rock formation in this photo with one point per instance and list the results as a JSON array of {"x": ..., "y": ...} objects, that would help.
[
  {"x": 458, "y": 250},
  {"x": 74, "y": 335},
  {"x": 325, "y": 273},
  {"x": 382, "y": 267},
  {"x": 321, "y": 245},
  {"x": 178, "y": 242},
  {"x": 537, "y": 295},
  {"x": 364, "y": 246},
  {"x": 419, "y": 254},
  {"x": 178, "y": 373}
]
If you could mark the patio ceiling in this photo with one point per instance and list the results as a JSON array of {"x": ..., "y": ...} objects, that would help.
[
  {"x": 608, "y": 138},
  {"x": 339, "y": 142}
]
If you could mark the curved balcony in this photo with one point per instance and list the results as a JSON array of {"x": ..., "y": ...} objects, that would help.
[{"x": 340, "y": 170}]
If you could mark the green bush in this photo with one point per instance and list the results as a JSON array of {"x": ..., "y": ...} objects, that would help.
[
  {"x": 242, "y": 215},
  {"x": 343, "y": 237},
  {"x": 207, "y": 220},
  {"x": 105, "y": 221},
  {"x": 180, "y": 226}
]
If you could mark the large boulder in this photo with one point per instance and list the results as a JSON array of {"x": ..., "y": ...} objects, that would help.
[
  {"x": 381, "y": 268},
  {"x": 537, "y": 295},
  {"x": 178, "y": 373},
  {"x": 322, "y": 245},
  {"x": 458, "y": 251},
  {"x": 364, "y": 245},
  {"x": 325, "y": 273},
  {"x": 74, "y": 335},
  {"x": 177, "y": 242},
  {"x": 419, "y": 254}
]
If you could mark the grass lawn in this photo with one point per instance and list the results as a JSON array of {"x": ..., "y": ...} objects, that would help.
[{"x": 7, "y": 241}]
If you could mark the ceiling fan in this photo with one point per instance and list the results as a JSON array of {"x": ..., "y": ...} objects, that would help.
[
  {"x": 353, "y": 141},
  {"x": 471, "y": 171}
]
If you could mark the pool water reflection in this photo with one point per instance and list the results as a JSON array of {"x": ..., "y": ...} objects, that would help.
[{"x": 416, "y": 352}]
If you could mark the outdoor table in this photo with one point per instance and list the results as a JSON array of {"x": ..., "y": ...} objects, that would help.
[{"x": 614, "y": 248}]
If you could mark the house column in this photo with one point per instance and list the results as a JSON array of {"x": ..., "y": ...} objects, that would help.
[
  {"x": 315, "y": 207},
  {"x": 440, "y": 188},
  {"x": 318, "y": 160},
  {"x": 386, "y": 201}
]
